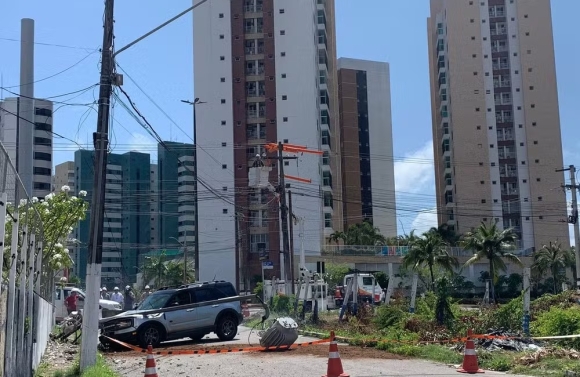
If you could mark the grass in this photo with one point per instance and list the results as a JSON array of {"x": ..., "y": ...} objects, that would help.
[{"x": 100, "y": 369}]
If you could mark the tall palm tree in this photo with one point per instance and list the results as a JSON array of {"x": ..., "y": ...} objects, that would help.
[
  {"x": 554, "y": 259},
  {"x": 336, "y": 237},
  {"x": 489, "y": 242},
  {"x": 155, "y": 268},
  {"x": 447, "y": 233},
  {"x": 364, "y": 234},
  {"x": 430, "y": 250}
]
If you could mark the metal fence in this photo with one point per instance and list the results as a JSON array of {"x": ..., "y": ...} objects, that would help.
[
  {"x": 27, "y": 280},
  {"x": 393, "y": 251}
]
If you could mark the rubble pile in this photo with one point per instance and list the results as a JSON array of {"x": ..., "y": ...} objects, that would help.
[
  {"x": 58, "y": 353},
  {"x": 549, "y": 352},
  {"x": 515, "y": 342}
]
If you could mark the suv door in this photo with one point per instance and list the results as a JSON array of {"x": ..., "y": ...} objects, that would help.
[
  {"x": 207, "y": 314},
  {"x": 179, "y": 320}
]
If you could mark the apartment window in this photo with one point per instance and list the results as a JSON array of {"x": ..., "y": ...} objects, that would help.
[
  {"x": 222, "y": 58},
  {"x": 534, "y": 124},
  {"x": 223, "y": 100},
  {"x": 533, "y": 106},
  {"x": 538, "y": 179},
  {"x": 222, "y": 36},
  {"x": 284, "y": 98},
  {"x": 224, "y": 166},
  {"x": 282, "y": 53},
  {"x": 225, "y": 211},
  {"x": 472, "y": 38},
  {"x": 477, "y": 109},
  {"x": 535, "y": 142},
  {"x": 527, "y": 33},
  {"x": 520, "y": 126},
  {"x": 537, "y": 161},
  {"x": 521, "y": 144},
  {"x": 224, "y": 188},
  {"x": 491, "y": 145},
  {"x": 523, "y": 162},
  {"x": 221, "y": 15},
  {"x": 479, "y": 127},
  {"x": 224, "y": 144},
  {"x": 286, "y": 163},
  {"x": 282, "y": 32},
  {"x": 281, "y": 11},
  {"x": 531, "y": 88},
  {"x": 495, "y": 200},
  {"x": 283, "y": 75},
  {"x": 43, "y": 126},
  {"x": 493, "y": 182},
  {"x": 539, "y": 198},
  {"x": 483, "y": 200},
  {"x": 524, "y": 181},
  {"x": 474, "y": 73},
  {"x": 285, "y": 119},
  {"x": 493, "y": 164},
  {"x": 482, "y": 182},
  {"x": 328, "y": 220},
  {"x": 223, "y": 122},
  {"x": 472, "y": 21},
  {"x": 223, "y": 79},
  {"x": 42, "y": 156}
]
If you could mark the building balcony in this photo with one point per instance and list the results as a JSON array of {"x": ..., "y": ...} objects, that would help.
[
  {"x": 401, "y": 251},
  {"x": 499, "y": 49},
  {"x": 253, "y": 114},
  {"x": 498, "y": 32},
  {"x": 257, "y": 71},
  {"x": 254, "y": 51},
  {"x": 501, "y": 66},
  {"x": 502, "y": 84},
  {"x": 509, "y": 192}
]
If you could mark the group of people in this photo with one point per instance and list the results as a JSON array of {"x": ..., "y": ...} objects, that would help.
[{"x": 126, "y": 300}]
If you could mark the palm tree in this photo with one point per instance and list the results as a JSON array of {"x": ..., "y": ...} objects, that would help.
[
  {"x": 155, "y": 268},
  {"x": 174, "y": 273},
  {"x": 364, "y": 234},
  {"x": 336, "y": 237},
  {"x": 554, "y": 259},
  {"x": 429, "y": 250},
  {"x": 491, "y": 243},
  {"x": 447, "y": 233}
]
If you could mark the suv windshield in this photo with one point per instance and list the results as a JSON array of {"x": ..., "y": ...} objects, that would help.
[{"x": 155, "y": 301}]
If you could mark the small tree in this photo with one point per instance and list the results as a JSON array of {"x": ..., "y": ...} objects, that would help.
[
  {"x": 58, "y": 214},
  {"x": 335, "y": 274},
  {"x": 554, "y": 259}
]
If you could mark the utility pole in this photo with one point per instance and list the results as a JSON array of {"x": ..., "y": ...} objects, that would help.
[
  {"x": 185, "y": 260},
  {"x": 95, "y": 252},
  {"x": 285, "y": 267},
  {"x": 291, "y": 254},
  {"x": 574, "y": 218},
  {"x": 241, "y": 258}
]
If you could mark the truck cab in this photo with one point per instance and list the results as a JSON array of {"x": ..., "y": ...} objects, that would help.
[{"x": 366, "y": 282}]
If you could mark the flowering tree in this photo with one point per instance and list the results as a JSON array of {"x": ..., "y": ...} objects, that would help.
[{"x": 52, "y": 218}]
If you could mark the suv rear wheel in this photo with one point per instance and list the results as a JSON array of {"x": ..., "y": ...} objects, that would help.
[
  {"x": 227, "y": 327},
  {"x": 150, "y": 334}
]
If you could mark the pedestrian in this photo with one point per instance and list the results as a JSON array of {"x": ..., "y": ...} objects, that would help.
[
  {"x": 146, "y": 293},
  {"x": 105, "y": 295},
  {"x": 117, "y": 296},
  {"x": 129, "y": 298},
  {"x": 71, "y": 302}
]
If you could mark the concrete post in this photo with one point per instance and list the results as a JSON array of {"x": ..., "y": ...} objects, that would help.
[{"x": 25, "y": 152}]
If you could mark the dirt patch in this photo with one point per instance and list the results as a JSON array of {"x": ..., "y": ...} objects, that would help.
[
  {"x": 321, "y": 350},
  {"x": 318, "y": 350}
]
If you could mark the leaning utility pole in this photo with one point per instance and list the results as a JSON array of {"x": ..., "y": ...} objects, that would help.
[
  {"x": 95, "y": 253},
  {"x": 574, "y": 218},
  {"x": 284, "y": 257}
]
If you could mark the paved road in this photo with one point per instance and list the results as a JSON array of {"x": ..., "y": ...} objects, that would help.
[{"x": 284, "y": 364}]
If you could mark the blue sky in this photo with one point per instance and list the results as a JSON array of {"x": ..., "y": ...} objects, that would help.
[{"x": 162, "y": 65}]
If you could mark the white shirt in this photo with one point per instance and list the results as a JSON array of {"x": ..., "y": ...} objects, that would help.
[{"x": 118, "y": 297}]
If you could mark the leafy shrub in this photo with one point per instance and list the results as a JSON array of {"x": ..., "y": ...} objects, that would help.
[
  {"x": 389, "y": 316},
  {"x": 558, "y": 321},
  {"x": 563, "y": 300},
  {"x": 282, "y": 304},
  {"x": 508, "y": 317}
]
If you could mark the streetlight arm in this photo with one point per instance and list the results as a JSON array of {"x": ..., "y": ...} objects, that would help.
[{"x": 158, "y": 27}]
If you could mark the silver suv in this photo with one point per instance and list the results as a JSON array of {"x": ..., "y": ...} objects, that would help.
[{"x": 146, "y": 325}]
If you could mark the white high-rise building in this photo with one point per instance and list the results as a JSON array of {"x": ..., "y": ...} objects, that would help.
[
  {"x": 265, "y": 72},
  {"x": 42, "y": 163}
]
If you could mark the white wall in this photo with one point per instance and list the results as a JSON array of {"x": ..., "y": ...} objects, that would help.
[
  {"x": 216, "y": 229},
  {"x": 381, "y": 141},
  {"x": 300, "y": 64}
]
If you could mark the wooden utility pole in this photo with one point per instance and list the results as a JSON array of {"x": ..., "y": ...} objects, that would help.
[
  {"x": 284, "y": 257},
  {"x": 291, "y": 228},
  {"x": 101, "y": 143}
]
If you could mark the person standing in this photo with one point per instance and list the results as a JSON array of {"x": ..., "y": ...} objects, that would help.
[
  {"x": 105, "y": 295},
  {"x": 129, "y": 298},
  {"x": 71, "y": 302},
  {"x": 146, "y": 293},
  {"x": 118, "y": 296}
]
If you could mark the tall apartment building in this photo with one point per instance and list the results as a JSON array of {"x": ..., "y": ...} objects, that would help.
[
  {"x": 154, "y": 224},
  {"x": 366, "y": 144},
  {"x": 64, "y": 175},
  {"x": 42, "y": 163},
  {"x": 267, "y": 72},
  {"x": 176, "y": 195},
  {"x": 126, "y": 225},
  {"x": 496, "y": 125}
]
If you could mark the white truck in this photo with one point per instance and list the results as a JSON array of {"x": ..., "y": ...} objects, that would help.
[
  {"x": 365, "y": 284},
  {"x": 107, "y": 307}
]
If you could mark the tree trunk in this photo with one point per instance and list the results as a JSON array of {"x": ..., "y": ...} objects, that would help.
[
  {"x": 491, "y": 284},
  {"x": 554, "y": 275},
  {"x": 432, "y": 278}
]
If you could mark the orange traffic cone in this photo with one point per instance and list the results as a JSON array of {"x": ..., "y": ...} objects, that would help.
[
  {"x": 334, "y": 364},
  {"x": 150, "y": 367},
  {"x": 470, "y": 364}
]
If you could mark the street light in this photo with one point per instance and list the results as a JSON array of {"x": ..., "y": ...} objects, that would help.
[
  {"x": 195, "y": 102},
  {"x": 184, "y": 245}
]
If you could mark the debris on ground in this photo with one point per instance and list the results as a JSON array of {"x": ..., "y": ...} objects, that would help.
[
  {"x": 71, "y": 325},
  {"x": 559, "y": 353},
  {"x": 59, "y": 356},
  {"x": 515, "y": 342}
]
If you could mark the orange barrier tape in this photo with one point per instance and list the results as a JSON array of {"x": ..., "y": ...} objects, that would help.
[{"x": 216, "y": 351}]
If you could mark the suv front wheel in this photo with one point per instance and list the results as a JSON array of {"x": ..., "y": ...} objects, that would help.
[
  {"x": 227, "y": 327},
  {"x": 150, "y": 334}
]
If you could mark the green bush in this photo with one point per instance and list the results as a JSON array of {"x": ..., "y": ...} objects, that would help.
[
  {"x": 389, "y": 316},
  {"x": 282, "y": 304},
  {"x": 558, "y": 321},
  {"x": 508, "y": 316},
  {"x": 259, "y": 290}
]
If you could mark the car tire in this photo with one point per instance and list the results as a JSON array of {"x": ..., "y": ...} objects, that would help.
[
  {"x": 227, "y": 327},
  {"x": 150, "y": 334}
]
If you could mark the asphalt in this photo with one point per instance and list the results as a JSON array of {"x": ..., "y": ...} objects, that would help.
[{"x": 274, "y": 364}]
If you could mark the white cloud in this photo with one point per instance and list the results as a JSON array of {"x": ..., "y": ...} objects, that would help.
[
  {"x": 415, "y": 172},
  {"x": 424, "y": 221},
  {"x": 142, "y": 143}
]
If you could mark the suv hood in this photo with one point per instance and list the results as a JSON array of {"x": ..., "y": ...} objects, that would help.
[{"x": 110, "y": 305}]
